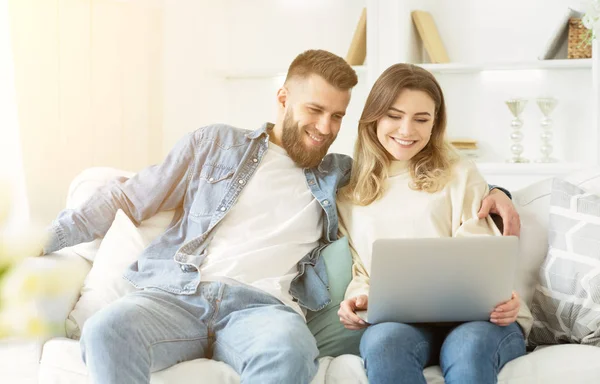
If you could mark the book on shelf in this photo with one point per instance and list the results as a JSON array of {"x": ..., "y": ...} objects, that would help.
[
  {"x": 556, "y": 46},
  {"x": 358, "y": 47},
  {"x": 466, "y": 147},
  {"x": 430, "y": 36}
]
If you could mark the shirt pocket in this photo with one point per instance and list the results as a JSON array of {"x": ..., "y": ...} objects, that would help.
[{"x": 213, "y": 183}]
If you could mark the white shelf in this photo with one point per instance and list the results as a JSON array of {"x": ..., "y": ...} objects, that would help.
[
  {"x": 529, "y": 168},
  {"x": 509, "y": 66},
  {"x": 273, "y": 73}
]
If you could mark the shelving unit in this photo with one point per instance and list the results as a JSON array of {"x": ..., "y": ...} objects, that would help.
[
  {"x": 493, "y": 63},
  {"x": 583, "y": 64},
  {"x": 528, "y": 168},
  {"x": 516, "y": 176}
]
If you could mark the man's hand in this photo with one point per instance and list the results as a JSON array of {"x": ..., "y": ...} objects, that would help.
[
  {"x": 497, "y": 202},
  {"x": 506, "y": 313},
  {"x": 347, "y": 312}
]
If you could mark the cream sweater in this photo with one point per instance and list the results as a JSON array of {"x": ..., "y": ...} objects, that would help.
[{"x": 406, "y": 213}]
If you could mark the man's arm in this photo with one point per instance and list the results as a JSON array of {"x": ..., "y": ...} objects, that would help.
[
  {"x": 499, "y": 202},
  {"x": 155, "y": 188},
  {"x": 505, "y": 191}
]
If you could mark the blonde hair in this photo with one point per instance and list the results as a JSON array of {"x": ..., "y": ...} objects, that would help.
[
  {"x": 335, "y": 70},
  {"x": 430, "y": 169}
]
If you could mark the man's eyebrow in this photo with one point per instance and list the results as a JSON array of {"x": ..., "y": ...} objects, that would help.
[{"x": 319, "y": 106}]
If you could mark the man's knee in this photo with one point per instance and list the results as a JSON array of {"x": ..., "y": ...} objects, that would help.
[
  {"x": 106, "y": 328},
  {"x": 292, "y": 345}
]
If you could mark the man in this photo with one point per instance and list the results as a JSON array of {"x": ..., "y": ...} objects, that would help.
[{"x": 229, "y": 277}]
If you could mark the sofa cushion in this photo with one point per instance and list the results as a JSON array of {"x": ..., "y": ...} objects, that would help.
[
  {"x": 121, "y": 246},
  {"x": 61, "y": 363},
  {"x": 558, "y": 364},
  {"x": 533, "y": 203},
  {"x": 566, "y": 303},
  {"x": 19, "y": 360},
  {"x": 333, "y": 339}
]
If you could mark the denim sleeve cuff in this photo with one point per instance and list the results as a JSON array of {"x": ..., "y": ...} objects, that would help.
[
  {"x": 502, "y": 189},
  {"x": 55, "y": 240}
]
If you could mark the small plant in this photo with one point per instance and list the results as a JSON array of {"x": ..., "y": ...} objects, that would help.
[
  {"x": 591, "y": 20},
  {"x": 26, "y": 295}
]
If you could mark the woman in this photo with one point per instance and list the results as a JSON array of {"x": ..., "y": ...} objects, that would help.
[{"x": 408, "y": 182}]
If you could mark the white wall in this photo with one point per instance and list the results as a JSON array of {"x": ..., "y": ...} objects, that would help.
[
  {"x": 88, "y": 75},
  {"x": 14, "y": 207},
  {"x": 207, "y": 42},
  {"x": 195, "y": 40}
]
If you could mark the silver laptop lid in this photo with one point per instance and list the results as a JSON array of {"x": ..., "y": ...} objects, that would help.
[{"x": 440, "y": 279}]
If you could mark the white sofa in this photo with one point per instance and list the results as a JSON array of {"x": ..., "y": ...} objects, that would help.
[{"x": 58, "y": 359}]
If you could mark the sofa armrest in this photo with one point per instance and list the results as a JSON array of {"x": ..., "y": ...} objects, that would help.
[{"x": 66, "y": 272}]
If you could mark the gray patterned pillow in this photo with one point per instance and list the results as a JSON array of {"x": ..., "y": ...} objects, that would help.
[{"x": 566, "y": 302}]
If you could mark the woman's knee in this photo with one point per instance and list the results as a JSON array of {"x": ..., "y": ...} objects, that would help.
[
  {"x": 393, "y": 337},
  {"x": 483, "y": 339}
]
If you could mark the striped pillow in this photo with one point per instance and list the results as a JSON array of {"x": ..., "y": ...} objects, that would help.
[{"x": 566, "y": 302}]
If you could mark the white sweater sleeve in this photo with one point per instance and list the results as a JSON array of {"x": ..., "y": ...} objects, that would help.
[
  {"x": 359, "y": 285},
  {"x": 467, "y": 196},
  {"x": 466, "y": 202}
]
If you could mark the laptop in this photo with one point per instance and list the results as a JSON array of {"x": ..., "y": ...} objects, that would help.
[{"x": 440, "y": 279}]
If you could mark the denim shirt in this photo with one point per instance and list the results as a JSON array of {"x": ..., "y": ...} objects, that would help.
[{"x": 201, "y": 179}]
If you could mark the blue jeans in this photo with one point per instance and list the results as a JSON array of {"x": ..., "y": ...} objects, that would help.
[
  {"x": 472, "y": 352},
  {"x": 150, "y": 330}
]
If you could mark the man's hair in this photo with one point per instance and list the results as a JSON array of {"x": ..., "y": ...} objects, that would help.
[{"x": 335, "y": 70}]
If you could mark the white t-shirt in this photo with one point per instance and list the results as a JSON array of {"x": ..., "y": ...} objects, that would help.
[{"x": 275, "y": 223}]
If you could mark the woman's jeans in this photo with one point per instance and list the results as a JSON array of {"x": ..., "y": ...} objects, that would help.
[{"x": 471, "y": 353}]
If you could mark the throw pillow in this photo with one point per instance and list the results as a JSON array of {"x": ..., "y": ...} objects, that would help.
[
  {"x": 121, "y": 246},
  {"x": 333, "y": 339},
  {"x": 566, "y": 302}
]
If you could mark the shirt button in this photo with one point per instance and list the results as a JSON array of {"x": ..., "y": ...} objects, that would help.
[
  {"x": 222, "y": 209},
  {"x": 255, "y": 160},
  {"x": 241, "y": 181},
  {"x": 325, "y": 202},
  {"x": 211, "y": 179},
  {"x": 311, "y": 182}
]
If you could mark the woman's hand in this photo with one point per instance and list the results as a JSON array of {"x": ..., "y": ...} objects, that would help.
[
  {"x": 506, "y": 313},
  {"x": 348, "y": 309}
]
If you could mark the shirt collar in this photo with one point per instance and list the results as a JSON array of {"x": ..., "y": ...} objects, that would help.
[{"x": 263, "y": 130}]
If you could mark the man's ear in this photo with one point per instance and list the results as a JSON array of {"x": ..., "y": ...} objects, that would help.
[{"x": 282, "y": 97}]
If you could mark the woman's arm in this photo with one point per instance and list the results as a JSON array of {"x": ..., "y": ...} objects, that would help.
[
  {"x": 467, "y": 194},
  {"x": 356, "y": 297},
  {"x": 466, "y": 202},
  {"x": 360, "y": 278}
]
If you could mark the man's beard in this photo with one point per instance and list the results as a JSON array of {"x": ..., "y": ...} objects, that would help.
[{"x": 292, "y": 141}]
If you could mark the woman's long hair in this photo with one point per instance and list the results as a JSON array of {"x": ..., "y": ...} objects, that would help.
[{"x": 430, "y": 169}]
